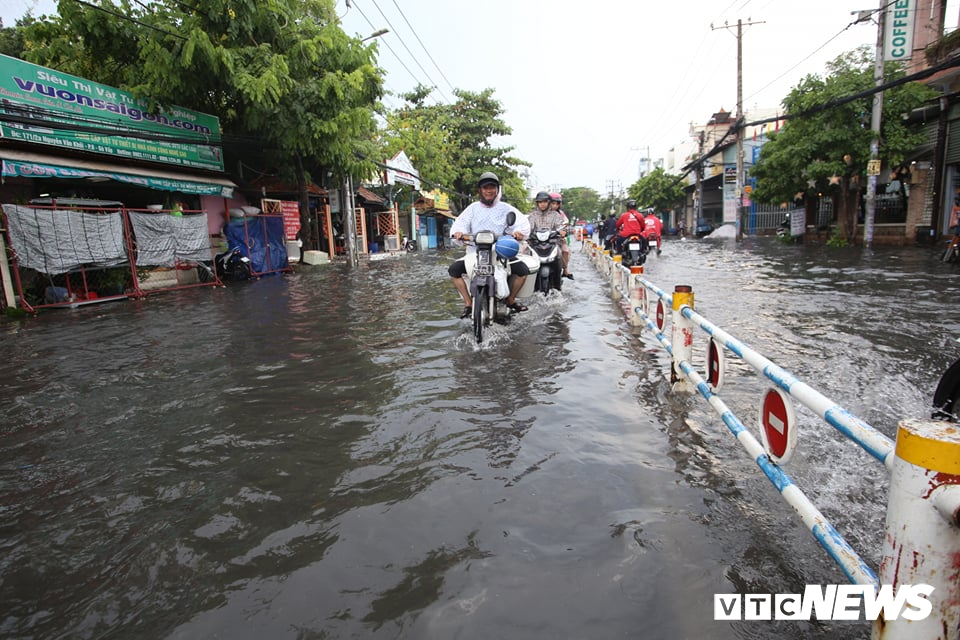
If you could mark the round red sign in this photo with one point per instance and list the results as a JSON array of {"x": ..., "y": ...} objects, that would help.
[{"x": 777, "y": 420}]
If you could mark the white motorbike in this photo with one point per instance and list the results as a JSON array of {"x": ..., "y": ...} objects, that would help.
[
  {"x": 550, "y": 274},
  {"x": 488, "y": 280}
]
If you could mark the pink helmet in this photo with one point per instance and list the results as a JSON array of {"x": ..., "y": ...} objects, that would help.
[{"x": 556, "y": 196}]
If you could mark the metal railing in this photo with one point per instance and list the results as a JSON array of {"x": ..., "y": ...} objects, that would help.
[{"x": 923, "y": 509}]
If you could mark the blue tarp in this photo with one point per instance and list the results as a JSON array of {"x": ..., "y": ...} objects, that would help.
[{"x": 264, "y": 242}]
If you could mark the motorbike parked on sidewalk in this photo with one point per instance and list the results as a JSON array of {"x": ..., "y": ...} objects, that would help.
[
  {"x": 550, "y": 274},
  {"x": 633, "y": 250},
  {"x": 409, "y": 245},
  {"x": 229, "y": 265}
]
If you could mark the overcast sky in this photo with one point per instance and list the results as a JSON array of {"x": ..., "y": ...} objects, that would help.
[{"x": 589, "y": 85}]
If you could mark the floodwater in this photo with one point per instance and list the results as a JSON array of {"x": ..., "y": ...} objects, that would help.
[{"x": 329, "y": 455}]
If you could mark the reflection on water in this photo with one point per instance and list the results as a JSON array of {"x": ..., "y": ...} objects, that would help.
[{"x": 329, "y": 454}]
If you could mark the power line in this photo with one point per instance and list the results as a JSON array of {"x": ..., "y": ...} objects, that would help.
[
  {"x": 427, "y": 75},
  {"x": 398, "y": 58},
  {"x": 387, "y": 45},
  {"x": 412, "y": 30}
]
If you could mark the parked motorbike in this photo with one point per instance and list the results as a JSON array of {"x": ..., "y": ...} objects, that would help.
[
  {"x": 233, "y": 265},
  {"x": 633, "y": 250},
  {"x": 783, "y": 231},
  {"x": 409, "y": 245},
  {"x": 550, "y": 275}
]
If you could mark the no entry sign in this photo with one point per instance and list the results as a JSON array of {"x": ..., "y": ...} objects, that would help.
[
  {"x": 660, "y": 314},
  {"x": 778, "y": 425},
  {"x": 715, "y": 365}
]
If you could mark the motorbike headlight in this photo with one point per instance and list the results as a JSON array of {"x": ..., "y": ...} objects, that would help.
[{"x": 484, "y": 237}]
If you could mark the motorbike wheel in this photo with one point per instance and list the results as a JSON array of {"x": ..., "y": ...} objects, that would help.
[
  {"x": 411, "y": 246},
  {"x": 950, "y": 255},
  {"x": 205, "y": 272},
  {"x": 480, "y": 304}
]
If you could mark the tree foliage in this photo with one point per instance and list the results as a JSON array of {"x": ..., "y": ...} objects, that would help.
[
  {"x": 658, "y": 189},
  {"x": 826, "y": 146},
  {"x": 581, "y": 203},
  {"x": 281, "y": 72},
  {"x": 451, "y": 145}
]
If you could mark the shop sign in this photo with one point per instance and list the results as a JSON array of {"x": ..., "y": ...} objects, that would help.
[{"x": 46, "y": 107}]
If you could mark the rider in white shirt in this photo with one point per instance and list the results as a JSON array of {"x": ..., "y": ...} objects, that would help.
[{"x": 489, "y": 213}]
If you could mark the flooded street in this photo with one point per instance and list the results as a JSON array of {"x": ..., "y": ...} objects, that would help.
[{"x": 329, "y": 455}]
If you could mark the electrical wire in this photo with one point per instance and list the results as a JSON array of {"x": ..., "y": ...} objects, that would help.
[
  {"x": 413, "y": 31},
  {"x": 387, "y": 44},
  {"x": 397, "y": 34}
]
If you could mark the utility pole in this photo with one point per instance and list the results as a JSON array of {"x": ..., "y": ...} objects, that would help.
[
  {"x": 739, "y": 122},
  {"x": 873, "y": 167}
]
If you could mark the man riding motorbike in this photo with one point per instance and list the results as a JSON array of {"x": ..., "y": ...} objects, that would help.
[
  {"x": 630, "y": 223},
  {"x": 546, "y": 218},
  {"x": 489, "y": 213}
]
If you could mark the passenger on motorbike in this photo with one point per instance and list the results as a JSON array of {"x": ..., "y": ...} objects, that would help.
[
  {"x": 489, "y": 213},
  {"x": 556, "y": 201},
  {"x": 630, "y": 223},
  {"x": 547, "y": 218},
  {"x": 653, "y": 229}
]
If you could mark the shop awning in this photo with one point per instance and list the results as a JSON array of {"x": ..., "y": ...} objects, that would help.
[
  {"x": 26, "y": 164},
  {"x": 436, "y": 213}
]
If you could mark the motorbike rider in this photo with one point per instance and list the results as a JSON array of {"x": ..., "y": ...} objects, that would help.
[
  {"x": 630, "y": 223},
  {"x": 546, "y": 217},
  {"x": 489, "y": 213},
  {"x": 556, "y": 201},
  {"x": 608, "y": 232},
  {"x": 653, "y": 228}
]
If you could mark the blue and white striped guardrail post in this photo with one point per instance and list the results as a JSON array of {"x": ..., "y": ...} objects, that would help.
[
  {"x": 922, "y": 541},
  {"x": 681, "y": 336}
]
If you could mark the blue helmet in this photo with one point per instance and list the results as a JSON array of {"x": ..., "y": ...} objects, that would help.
[{"x": 507, "y": 247}]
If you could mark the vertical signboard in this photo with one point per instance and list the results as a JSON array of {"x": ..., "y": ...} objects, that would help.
[
  {"x": 291, "y": 218},
  {"x": 898, "y": 30}
]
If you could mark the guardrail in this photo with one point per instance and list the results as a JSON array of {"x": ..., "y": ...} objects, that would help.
[{"x": 922, "y": 536}]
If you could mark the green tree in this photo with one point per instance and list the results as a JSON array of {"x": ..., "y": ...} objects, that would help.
[
  {"x": 281, "y": 73},
  {"x": 11, "y": 38},
  {"x": 452, "y": 145},
  {"x": 825, "y": 146},
  {"x": 581, "y": 203},
  {"x": 658, "y": 189}
]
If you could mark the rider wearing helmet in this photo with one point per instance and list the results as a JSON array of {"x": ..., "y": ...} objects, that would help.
[
  {"x": 630, "y": 223},
  {"x": 489, "y": 213},
  {"x": 545, "y": 217},
  {"x": 653, "y": 228},
  {"x": 556, "y": 201}
]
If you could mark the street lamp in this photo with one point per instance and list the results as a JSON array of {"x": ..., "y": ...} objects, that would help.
[{"x": 375, "y": 34}]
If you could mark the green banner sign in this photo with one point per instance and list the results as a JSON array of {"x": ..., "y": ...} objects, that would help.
[
  {"x": 40, "y": 170},
  {"x": 47, "y": 107}
]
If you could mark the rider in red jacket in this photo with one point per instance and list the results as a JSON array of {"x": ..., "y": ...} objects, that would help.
[
  {"x": 653, "y": 229},
  {"x": 630, "y": 223}
]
